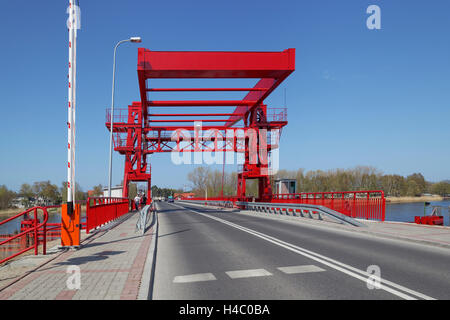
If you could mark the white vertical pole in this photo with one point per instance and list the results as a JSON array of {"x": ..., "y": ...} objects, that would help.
[
  {"x": 70, "y": 124},
  {"x": 112, "y": 122},
  {"x": 74, "y": 108}
]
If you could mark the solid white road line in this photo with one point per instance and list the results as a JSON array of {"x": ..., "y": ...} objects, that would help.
[
  {"x": 300, "y": 269},
  {"x": 364, "y": 276},
  {"x": 194, "y": 278},
  {"x": 248, "y": 273}
]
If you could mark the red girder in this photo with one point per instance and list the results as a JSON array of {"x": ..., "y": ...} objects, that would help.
[
  {"x": 203, "y": 89},
  {"x": 214, "y": 64},
  {"x": 190, "y": 114},
  {"x": 180, "y": 120},
  {"x": 202, "y": 103}
]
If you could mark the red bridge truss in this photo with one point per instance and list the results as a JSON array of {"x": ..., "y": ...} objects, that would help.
[{"x": 248, "y": 127}]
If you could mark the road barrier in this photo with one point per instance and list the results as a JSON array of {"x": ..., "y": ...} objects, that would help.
[
  {"x": 293, "y": 209},
  {"x": 100, "y": 211},
  {"x": 302, "y": 210},
  {"x": 369, "y": 205}
]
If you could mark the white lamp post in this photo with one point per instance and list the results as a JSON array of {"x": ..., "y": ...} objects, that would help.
[{"x": 135, "y": 40}]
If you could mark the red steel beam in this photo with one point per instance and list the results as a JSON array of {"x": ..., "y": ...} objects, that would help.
[
  {"x": 214, "y": 64},
  {"x": 204, "y": 89},
  {"x": 189, "y": 128},
  {"x": 204, "y": 106},
  {"x": 258, "y": 96},
  {"x": 191, "y": 114},
  {"x": 193, "y": 120},
  {"x": 200, "y": 103}
]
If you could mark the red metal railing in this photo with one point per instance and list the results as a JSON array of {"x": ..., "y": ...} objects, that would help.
[
  {"x": 369, "y": 205},
  {"x": 53, "y": 230},
  {"x": 103, "y": 210},
  {"x": 120, "y": 115},
  {"x": 36, "y": 231},
  {"x": 277, "y": 114}
]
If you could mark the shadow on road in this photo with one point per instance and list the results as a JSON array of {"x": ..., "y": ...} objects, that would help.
[{"x": 172, "y": 233}]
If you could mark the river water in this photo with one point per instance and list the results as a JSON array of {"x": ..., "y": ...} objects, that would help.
[
  {"x": 14, "y": 225},
  {"x": 405, "y": 212}
]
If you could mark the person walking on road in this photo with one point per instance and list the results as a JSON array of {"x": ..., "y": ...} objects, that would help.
[
  {"x": 137, "y": 199},
  {"x": 143, "y": 200}
]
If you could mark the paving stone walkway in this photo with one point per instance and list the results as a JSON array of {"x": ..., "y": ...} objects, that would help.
[{"x": 110, "y": 263}]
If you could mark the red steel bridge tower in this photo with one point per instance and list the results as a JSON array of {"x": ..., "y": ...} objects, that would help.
[{"x": 248, "y": 128}]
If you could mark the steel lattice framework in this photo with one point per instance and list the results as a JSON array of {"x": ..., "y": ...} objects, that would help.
[{"x": 247, "y": 128}]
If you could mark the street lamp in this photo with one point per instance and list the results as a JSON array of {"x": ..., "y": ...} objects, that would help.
[{"x": 134, "y": 40}]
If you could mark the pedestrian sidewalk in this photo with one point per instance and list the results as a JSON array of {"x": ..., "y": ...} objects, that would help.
[
  {"x": 114, "y": 263},
  {"x": 426, "y": 234}
]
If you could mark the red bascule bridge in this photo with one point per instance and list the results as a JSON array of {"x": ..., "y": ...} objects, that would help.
[
  {"x": 249, "y": 127},
  {"x": 243, "y": 126}
]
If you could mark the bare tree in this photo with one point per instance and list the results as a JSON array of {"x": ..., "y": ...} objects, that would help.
[{"x": 199, "y": 179}]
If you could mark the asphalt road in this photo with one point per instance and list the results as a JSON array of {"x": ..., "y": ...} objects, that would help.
[{"x": 205, "y": 254}]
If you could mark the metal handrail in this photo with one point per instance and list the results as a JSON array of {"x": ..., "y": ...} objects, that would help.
[
  {"x": 314, "y": 194},
  {"x": 34, "y": 229},
  {"x": 277, "y": 114},
  {"x": 120, "y": 115},
  {"x": 367, "y": 204}
]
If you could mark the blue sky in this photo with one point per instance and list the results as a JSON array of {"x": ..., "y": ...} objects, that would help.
[{"x": 357, "y": 97}]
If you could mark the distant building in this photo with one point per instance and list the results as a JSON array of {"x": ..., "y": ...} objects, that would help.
[
  {"x": 28, "y": 202},
  {"x": 116, "y": 192},
  {"x": 285, "y": 186},
  {"x": 19, "y": 202}
]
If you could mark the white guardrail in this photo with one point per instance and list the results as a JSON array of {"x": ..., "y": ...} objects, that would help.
[
  {"x": 294, "y": 209},
  {"x": 302, "y": 210}
]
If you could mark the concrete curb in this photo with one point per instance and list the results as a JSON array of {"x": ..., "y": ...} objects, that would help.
[{"x": 148, "y": 275}]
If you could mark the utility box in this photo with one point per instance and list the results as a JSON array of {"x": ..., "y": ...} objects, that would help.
[
  {"x": 70, "y": 225},
  {"x": 285, "y": 186},
  {"x": 116, "y": 192}
]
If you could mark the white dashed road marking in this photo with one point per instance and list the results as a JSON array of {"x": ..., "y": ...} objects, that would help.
[
  {"x": 194, "y": 278},
  {"x": 248, "y": 273},
  {"x": 301, "y": 269}
]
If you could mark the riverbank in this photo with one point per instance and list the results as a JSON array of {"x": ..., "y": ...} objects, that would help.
[
  {"x": 6, "y": 213},
  {"x": 10, "y": 212},
  {"x": 414, "y": 199}
]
